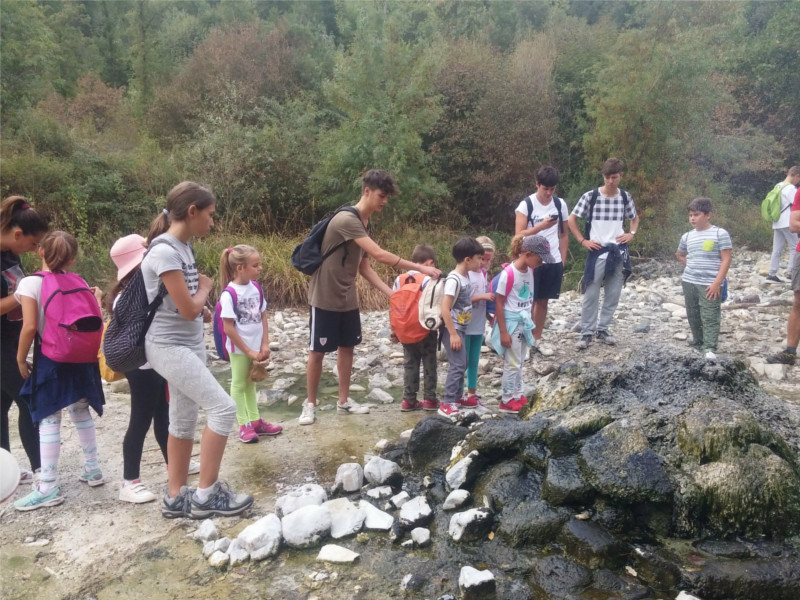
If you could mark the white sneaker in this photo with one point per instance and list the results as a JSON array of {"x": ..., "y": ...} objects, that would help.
[
  {"x": 135, "y": 492},
  {"x": 309, "y": 414},
  {"x": 352, "y": 407},
  {"x": 194, "y": 467},
  {"x": 710, "y": 355},
  {"x": 26, "y": 476}
]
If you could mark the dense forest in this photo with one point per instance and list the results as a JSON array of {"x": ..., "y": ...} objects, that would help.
[{"x": 279, "y": 106}]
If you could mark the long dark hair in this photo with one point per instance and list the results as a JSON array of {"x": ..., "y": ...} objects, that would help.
[
  {"x": 179, "y": 199},
  {"x": 15, "y": 211}
]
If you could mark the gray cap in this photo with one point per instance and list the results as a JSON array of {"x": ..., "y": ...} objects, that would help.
[{"x": 538, "y": 244}]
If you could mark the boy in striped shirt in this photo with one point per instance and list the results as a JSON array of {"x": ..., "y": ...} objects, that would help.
[{"x": 706, "y": 253}]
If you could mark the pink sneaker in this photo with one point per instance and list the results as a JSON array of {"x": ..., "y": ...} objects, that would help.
[
  {"x": 410, "y": 405},
  {"x": 429, "y": 404},
  {"x": 511, "y": 407},
  {"x": 448, "y": 410},
  {"x": 471, "y": 401},
  {"x": 247, "y": 435},
  {"x": 261, "y": 427}
]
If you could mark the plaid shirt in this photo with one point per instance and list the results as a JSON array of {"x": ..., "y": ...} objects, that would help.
[{"x": 606, "y": 209}]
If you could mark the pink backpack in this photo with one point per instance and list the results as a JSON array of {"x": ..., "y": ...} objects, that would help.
[{"x": 73, "y": 323}]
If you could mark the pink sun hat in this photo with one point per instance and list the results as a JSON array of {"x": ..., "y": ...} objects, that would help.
[{"x": 127, "y": 253}]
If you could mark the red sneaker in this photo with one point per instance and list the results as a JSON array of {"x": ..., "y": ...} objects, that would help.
[
  {"x": 511, "y": 407},
  {"x": 429, "y": 404},
  {"x": 410, "y": 405},
  {"x": 261, "y": 427},
  {"x": 522, "y": 401},
  {"x": 471, "y": 401},
  {"x": 448, "y": 410},
  {"x": 247, "y": 434}
]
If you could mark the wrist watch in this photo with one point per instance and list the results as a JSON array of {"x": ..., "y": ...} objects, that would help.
[{"x": 633, "y": 233}]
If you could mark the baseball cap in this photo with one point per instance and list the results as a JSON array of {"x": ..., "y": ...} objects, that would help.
[
  {"x": 127, "y": 253},
  {"x": 539, "y": 245}
]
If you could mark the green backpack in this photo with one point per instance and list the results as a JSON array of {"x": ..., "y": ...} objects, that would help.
[{"x": 771, "y": 205}]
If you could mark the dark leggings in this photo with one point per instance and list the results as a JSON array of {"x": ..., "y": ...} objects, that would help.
[
  {"x": 148, "y": 405},
  {"x": 10, "y": 384}
]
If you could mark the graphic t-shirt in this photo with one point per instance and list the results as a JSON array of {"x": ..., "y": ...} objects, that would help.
[
  {"x": 542, "y": 212},
  {"x": 607, "y": 216},
  {"x": 461, "y": 312},
  {"x": 247, "y": 315},
  {"x": 333, "y": 284},
  {"x": 12, "y": 274},
  {"x": 521, "y": 295},
  {"x": 703, "y": 258},
  {"x": 478, "y": 285},
  {"x": 169, "y": 327}
]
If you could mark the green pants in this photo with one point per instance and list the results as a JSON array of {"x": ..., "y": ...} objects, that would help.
[
  {"x": 703, "y": 316},
  {"x": 243, "y": 391}
]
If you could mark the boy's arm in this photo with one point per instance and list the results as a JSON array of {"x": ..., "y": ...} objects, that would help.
[
  {"x": 713, "y": 291},
  {"x": 30, "y": 315},
  {"x": 563, "y": 244},
  {"x": 794, "y": 221},
  {"x": 367, "y": 244},
  {"x": 681, "y": 256},
  {"x": 585, "y": 242},
  {"x": 447, "y": 305},
  {"x": 500, "y": 317},
  {"x": 627, "y": 237},
  {"x": 368, "y": 273}
]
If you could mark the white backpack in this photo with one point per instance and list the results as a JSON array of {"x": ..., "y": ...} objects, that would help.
[{"x": 430, "y": 302}]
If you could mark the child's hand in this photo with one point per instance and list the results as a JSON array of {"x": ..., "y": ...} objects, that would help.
[
  {"x": 24, "y": 369},
  {"x": 208, "y": 316},
  {"x": 505, "y": 340},
  {"x": 490, "y": 297},
  {"x": 265, "y": 353},
  {"x": 393, "y": 338},
  {"x": 712, "y": 291},
  {"x": 252, "y": 355},
  {"x": 98, "y": 294},
  {"x": 455, "y": 342}
]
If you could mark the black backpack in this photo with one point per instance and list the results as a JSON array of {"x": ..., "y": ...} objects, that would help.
[
  {"x": 307, "y": 255},
  {"x": 587, "y": 228},
  {"x": 557, "y": 201},
  {"x": 123, "y": 344}
]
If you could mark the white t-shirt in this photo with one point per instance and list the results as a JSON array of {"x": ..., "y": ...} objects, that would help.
[
  {"x": 787, "y": 198},
  {"x": 247, "y": 315},
  {"x": 520, "y": 297},
  {"x": 31, "y": 287},
  {"x": 542, "y": 212},
  {"x": 461, "y": 312},
  {"x": 477, "y": 285}
]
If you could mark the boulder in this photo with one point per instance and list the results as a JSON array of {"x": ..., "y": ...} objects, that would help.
[
  {"x": 463, "y": 472},
  {"x": 236, "y": 554},
  {"x": 346, "y": 518},
  {"x": 415, "y": 512},
  {"x": 306, "y": 526},
  {"x": 558, "y": 577},
  {"x": 506, "y": 483},
  {"x": 564, "y": 483},
  {"x": 530, "y": 523},
  {"x": 349, "y": 478},
  {"x": 592, "y": 545},
  {"x": 309, "y": 494},
  {"x": 432, "y": 440},
  {"x": 206, "y": 532},
  {"x": 262, "y": 538},
  {"x": 379, "y": 471}
]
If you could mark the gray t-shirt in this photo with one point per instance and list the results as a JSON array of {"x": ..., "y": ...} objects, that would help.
[
  {"x": 169, "y": 328},
  {"x": 703, "y": 256},
  {"x": 461, "y": 312}
]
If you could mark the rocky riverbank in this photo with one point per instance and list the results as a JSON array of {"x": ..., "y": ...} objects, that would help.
[{"x": 96, "y": 546}]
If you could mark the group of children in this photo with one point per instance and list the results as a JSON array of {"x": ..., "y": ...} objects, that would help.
[{"x": 169, "y": 391}]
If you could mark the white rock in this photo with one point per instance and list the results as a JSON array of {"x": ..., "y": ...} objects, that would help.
[
  {"x": 262, "y": 538},
  {"x": 383, "y": 491},
  {"x": 236, "y": 554},
  {"x": 684, "y": 596},
  {"x": 475, "y": 584},
  {"x": 464, "y": 524},
  {"x": 379, "y": 395},
  {"x": 416, "y": 511},
  {"x": 337, "y": 554},
  {"x": 306, "y": 526},
  {"x": 406, "y": 435},
  {"x": 346, "y": 518},
  {"x": 375, "y": 519},
  {"x": 400, "y": 499},
  {"x": 207, "y": 531},
  {"x": 457, "y": 475},
  {"x": 455, "y": 499},
  {"x": 775, "y": 372},
  {"x": 379, "y": 380},
  {"x": 421, "y": 536},
  {"x": 681, "y": 336},
  {"x": 209, "y": 548},
  {"x": 380, "y": 471},
  {"x": 349, "y": 477},
  {"x": 381, "y": 444},
  {"x": 222, "y": 544},
  {"x": 309, "y": 494},
  {"x": 219, "y": 559}
]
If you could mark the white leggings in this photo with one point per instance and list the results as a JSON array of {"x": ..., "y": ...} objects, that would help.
[{"x": 191, "y": 387}]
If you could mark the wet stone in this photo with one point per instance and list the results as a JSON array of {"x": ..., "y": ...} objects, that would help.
[
  {"x": 470, "y": 525},
  {"x": 432, "y": 440},
  {"x": 724, "y": 549},
  {"x": 535, "y": 456},
  {"x": 508, "y": 483},
  {"x": 607, "y": 584},
  {"x": 456, "y": 499},
  {"x": 560, "y": 441},
  {"x": 412, "y": 583},
  {"x": 415, "y": 512},
  {"x": 476, "y": 585},
  {"x": 564, "y": 483},
  {"x": 593, "y": 545},
  {"x": 559, "y": 577},
  {"x": 530, "y": 523},
  {"x": 776, "y": 579}
]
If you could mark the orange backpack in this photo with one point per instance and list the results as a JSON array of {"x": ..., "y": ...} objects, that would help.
[{"x": 404, "y": 309}]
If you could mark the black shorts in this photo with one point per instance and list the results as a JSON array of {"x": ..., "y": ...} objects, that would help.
[
  {"x": 547, "y": 281},
  {"x": 331, "y": 330}
]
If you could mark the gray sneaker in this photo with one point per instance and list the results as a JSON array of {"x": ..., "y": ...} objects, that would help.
[
  {"x": 606, "y": 338},
  {"x": 584, "y": 342},
  {"x": 178, "y": 507},
  {"x": 221, "y": 502}
]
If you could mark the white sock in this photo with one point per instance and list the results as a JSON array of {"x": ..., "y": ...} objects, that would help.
[{"x": 202, "y": 494}]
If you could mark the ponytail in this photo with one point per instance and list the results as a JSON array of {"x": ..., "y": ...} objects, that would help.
[
  {"x": 516, "y": 246},
  {"x": 15, "y": 211},
  {"x": 232, "y": 258}
]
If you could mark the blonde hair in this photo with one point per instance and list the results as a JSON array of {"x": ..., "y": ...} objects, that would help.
[
  {"x": 59, "y": 249},
  {"x": 516, "y": 246},
  {"x": 486, "y": 242},
  {"x": 232, "y": 258}
]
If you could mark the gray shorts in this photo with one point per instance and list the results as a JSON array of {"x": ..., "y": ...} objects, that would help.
[
  {"x": 191, "y": 387},
  {"x": 796, "y": 277}
]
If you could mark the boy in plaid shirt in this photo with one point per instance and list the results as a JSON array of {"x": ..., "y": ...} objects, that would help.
[{"x": 605, "y": 210}]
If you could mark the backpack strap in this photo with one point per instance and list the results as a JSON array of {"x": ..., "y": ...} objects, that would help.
[
  {"x": 509, "y": 279},
  {"x": 557, "y": 202},
  {"x": 587, "y": 228},
  {"x": 529, "y": 205},
  {"x": 235, "y": 298},
  {"x": 260, "y": 293},
  {"x": 353, "y": 210}
]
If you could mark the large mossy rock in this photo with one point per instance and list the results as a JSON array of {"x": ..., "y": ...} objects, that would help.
[{"x": 431, "y": 442}]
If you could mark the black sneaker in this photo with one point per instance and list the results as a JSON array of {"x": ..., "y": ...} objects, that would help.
[
  {"x": 606, "y": 338},
  {"x": 221, "y": 502},
  {"x": 773, "y": 279},
  {"x": 584, "y": 342},
  {"x": 783, "y": 358},
  {"x": 178, "y": 507}
]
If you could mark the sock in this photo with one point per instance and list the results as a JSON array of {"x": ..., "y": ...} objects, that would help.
[
  {"x": 791, "y": 349},
  {"x": 130, "y": 482},
  {"x": 202, "y": 494}
]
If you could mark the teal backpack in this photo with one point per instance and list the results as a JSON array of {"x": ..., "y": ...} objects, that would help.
[{"x": 771, "y": 205}]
